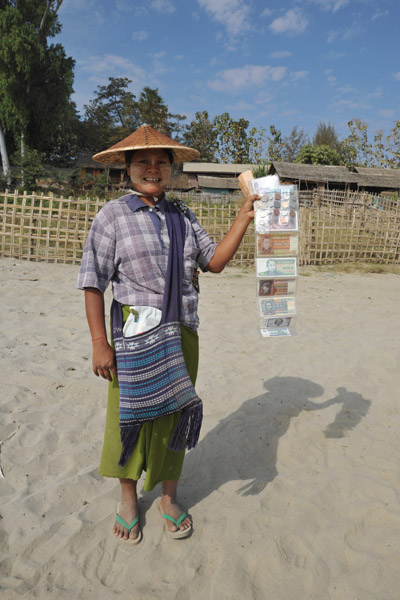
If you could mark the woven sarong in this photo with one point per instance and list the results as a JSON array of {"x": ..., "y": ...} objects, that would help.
[{"x": 152, "y": 374}]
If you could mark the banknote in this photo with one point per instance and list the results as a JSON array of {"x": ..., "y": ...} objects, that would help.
[
  {"x": 277, "y": 244},
  {"x": 276, "y": 287},
  {"x": 276, "y": 332},
  {"x": 277, "y": 306},
  {"x": 267, "y": 323},
  {"x": 276, "y": 267}
]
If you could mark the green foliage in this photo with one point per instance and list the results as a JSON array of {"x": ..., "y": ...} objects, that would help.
[
  {"x": 35, "y": 77},
  {"x": 292, "y": 144},
  {"x": 233, "y": 141},
  {"x": 201, "y": 135},
  {"x": 154, "y": 112},
  {"x": 275, "y": 144},
  {"x": 110, "y": 116},
  {"x": 382, "y": 152},
  {"x": 31, "y": 167},
  {"x": 318, "y": 155},
  {"x": 356, "y": 148},
  {"x": 326, "y": 135},
  {"x": 260, "y": 171}
]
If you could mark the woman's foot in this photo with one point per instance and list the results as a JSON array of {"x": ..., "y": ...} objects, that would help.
[
  {"x": 127, "y": 511},
  {"x": 171, "y": 508}
]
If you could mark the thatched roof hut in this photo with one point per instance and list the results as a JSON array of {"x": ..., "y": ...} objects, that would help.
[
  {"x": 372, "y": 179},
  {"x": 310, "y": 176},
  {"x": 378, "y": 179}
]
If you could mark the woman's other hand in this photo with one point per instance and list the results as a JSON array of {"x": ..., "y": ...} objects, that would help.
[
  {"x": 227, "y": 247},
  {"x": 247, "y": 208},
  {"x": 103, "y": 359}
]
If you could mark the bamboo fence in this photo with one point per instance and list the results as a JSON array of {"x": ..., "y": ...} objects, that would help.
[{"x": 335, "y": 227}]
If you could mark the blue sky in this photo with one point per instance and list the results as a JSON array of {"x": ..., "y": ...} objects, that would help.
[{"x": 283, "y": 63}]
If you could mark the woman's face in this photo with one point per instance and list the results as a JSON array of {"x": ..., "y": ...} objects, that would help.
[{"x": 150, "y": 171}]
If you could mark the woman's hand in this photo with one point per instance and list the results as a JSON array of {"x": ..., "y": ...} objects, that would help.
[
  {"x": 103, "y": 360},
  {"x": 227, "y": 247},
  {"x": 247, "y": 208}
]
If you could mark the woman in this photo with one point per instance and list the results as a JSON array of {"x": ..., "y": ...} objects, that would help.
[{"x": 128, "y": 244}]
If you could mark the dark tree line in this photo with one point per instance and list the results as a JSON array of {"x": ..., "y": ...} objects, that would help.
[{"x": 39, "y": 123}]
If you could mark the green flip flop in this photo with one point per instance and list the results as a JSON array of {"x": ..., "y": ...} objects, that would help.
[
  {"x": 129, "y": 541},
  {"x": 179, "y": 533}
]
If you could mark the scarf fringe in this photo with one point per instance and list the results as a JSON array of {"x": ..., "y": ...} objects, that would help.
[
  {"x": 129, "y": 438},
  {"x": 187, "y": 432}
]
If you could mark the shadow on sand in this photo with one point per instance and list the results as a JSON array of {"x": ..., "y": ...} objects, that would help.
[{"x": 244, "y": 444}]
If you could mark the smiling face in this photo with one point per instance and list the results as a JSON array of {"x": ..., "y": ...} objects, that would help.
[{"x": 150, "y": 171}]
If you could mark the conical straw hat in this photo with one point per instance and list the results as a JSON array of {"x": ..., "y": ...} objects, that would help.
[{"x": 142, "y": 139}]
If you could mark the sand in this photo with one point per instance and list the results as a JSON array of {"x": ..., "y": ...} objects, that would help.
[{"x": 293, "y": 488}]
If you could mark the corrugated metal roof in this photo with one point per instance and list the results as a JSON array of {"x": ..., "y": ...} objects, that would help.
[
  {"x": 234, "y": 169},
  {"x": 230, "y": 183}
]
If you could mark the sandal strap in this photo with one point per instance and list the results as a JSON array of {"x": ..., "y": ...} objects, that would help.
[
  {"x": 125, "y": 524},
  {"x": 177, "y": 522}
]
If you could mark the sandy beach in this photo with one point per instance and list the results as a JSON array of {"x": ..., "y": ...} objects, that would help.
[{"x": 293, "y": 488}]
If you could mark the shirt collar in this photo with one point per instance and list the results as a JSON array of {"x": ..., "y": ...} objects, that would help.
[{"x": 135, "y": 203}]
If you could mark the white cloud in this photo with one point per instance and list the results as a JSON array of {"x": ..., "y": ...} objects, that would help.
[
  {"x": 293, "y": 21},
  {"x": 346, "y": 89},
  {"x": 353, "y": 105},
  {"x": 289, "y": 113},
  {"x": 241, "y": 106},
  {"x": 123, "y": 6},
  {"x": 396, "y": 75},
  {"x": 296, "y": 75},
  {"x": 164, "y": 6},
  {"x": 347, "y": 34},
  {"x": 179, "y": 56},
  {"x": 333, "y": 5},
  {"x": 379, "y": 14},
  {"x": 263, "y": 98},
  {"x": 159, "y": 67},
  {"x": 114, "y": 66},
  {"x": 267, "y": 12},
  {"x": 376, "y": 94},
  {"x": 232, "y": 14},
  {"x": 336, "y": 55},
  {"x": 232, "y": 80},
  {"x": 140, "y": 36},
  {"x": 280, "y": 54},
  {"x": 387, "y": 113},
  {"x": 331, "y": 36}
]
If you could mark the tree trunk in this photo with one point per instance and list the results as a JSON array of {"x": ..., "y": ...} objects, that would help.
[
  {"x": 22, "y": 158},
  {"x": 4, "y": 156}
]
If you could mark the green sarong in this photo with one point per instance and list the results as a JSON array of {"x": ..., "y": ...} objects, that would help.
[{"x": 151, "y": 453}]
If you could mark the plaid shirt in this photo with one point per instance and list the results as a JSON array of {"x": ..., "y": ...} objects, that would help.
[{"x": 129, "y": 247}]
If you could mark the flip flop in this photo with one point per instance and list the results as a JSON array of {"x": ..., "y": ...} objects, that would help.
[
  {"x": 179, "y": 533},
  {"x": 129, "y": 541}
]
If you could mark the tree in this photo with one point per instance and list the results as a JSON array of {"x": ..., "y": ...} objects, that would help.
[
  {"x": 326, "y": 135},
  {"x": 393, "y": 147},
  {"x": 318, "y": 155},
  {"x": 30, "y": 162},
  {"x": 201, "y": 135},
  {"x": 111, "y": 116},
  {"x": 275, "y": 144},
  {"x": 257, "y": 146},
  {"x": 233, "y": 141},
  {"x": 292, "y": 144},
  {"x": 35, "y": 77},
  {"x": 154, "y": 112},
  {"x": 356, "y": 149}
]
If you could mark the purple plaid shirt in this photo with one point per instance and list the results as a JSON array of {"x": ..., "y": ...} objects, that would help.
[{"x": 129, "y": 247}]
